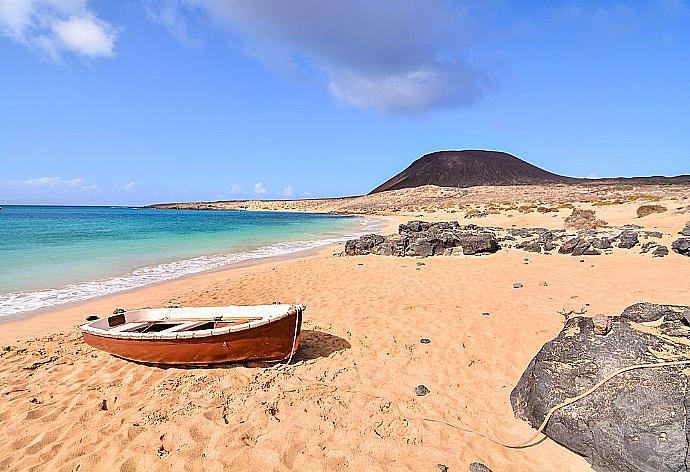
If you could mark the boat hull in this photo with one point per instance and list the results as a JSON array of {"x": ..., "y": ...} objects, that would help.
[{"x": 268, "y": 342}]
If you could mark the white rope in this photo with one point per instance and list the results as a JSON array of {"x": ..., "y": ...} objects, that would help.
[{"x": 298, "y": 312}]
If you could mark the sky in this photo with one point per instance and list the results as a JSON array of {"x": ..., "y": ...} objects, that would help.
[{"x": 143, "y": 101}]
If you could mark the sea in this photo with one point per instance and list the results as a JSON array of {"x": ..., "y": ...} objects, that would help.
[{"x": 51, "y": 255}]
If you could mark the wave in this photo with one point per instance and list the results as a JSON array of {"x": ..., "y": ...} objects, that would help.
[{"x": 22, "y": 302}]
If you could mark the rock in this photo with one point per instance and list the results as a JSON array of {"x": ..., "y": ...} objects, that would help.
[
  {"x": 646, "y": 247},
  {"x": 363, "y": 245},
  {"x": 421, "y": 390},
  {"x": 421, "y": 247},
  {"x": 568, "y": 246},
  {"x": 420, "y": 263},
  {"x": 425, "y": 340},
  {"x": 634, "y": 422},
  {"x": 660, "y": 251},
  {"x": 478, "y": 243},
  {"x": 104, "y": 405},
  {"x": 118, "y": 311},
  {"x": 601, "y": 243},
  {"x": 517, "y": 285},
  {"x": 91, "y": 318},
  {"x": 686, "y": 231},
  {"x": 442, "y": 467},
  {"x": 628, "y": 239},
  {"x": 681, "y": 246},
  {"x": 486, "y": 313},
  {"x": 652, "y": 234},
  {"x": 529, "y": 246},
  {"x": 478, "y": 467},
  {"x": 602, "y": 324}
]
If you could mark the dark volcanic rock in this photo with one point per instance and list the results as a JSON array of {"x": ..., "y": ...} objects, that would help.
[
  {"x": 478, "y": 467},
  {"x": 421, "y": 390},
  {"x": 660, "y": 251},
  {"x": 628, "y": 239},
  {"x": 634, "y": 422},
  {"x": 686, "y": 231},
  {"x": 478, "y": 243},
  {"x": 363, "y": 245},
  {"x": 681, "y": 246}
]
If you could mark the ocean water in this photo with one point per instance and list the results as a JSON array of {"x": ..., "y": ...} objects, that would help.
[{"x": 51, "y": 255}]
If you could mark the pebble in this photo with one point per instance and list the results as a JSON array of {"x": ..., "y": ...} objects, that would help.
[
  {"x": 442, "y": 467},
  {"x": 420, "y": 263},
  {"x": 478, "y": 467},
  {"x": 486, "y": 313},
  {"x": 517, "y": 285},
  {"x": 117, "y": 311},
  {"x": 104, "y": 405},
  {"x": 425, "y": 340},
  {"x": 421, "y": 390},
  {"x": 602, "y": 324}
]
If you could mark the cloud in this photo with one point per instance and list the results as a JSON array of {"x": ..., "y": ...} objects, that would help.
[
  {"x": 259, "y": 188},
  {"x": 171, "y": 16},
  {"x": 390, "y": 56},
  {"x": 56, "y": 26},
  {"x": 287, "y": 192},
  {"x": 234, "y": 189},
  {"x": 48, "y": 184},
  {"x": 130, "y": 187}
]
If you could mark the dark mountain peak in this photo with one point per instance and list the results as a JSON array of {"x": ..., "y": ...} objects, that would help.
[{"x": 470, "y": 168}]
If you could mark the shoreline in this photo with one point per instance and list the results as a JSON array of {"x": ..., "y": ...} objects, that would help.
[
  {"x": 56, "y": 318},
  {"x": 377, "y": 223}
]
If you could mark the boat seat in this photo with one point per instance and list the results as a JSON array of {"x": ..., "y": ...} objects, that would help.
[{"x": 127, "y": 326}]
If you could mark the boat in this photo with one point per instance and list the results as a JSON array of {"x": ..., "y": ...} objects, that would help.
[{"x": 199, "y": 335}]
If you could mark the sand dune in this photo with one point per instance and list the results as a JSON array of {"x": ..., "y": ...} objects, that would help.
[{"x": 348, "y": 401}]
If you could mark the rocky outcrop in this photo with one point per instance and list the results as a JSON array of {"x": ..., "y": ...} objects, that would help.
[
  {"x": 638, "y": 420},
  {"x": 686, "y": 231},
  {"x": 423, "y": 239},
  {"x": 681, "y": 246}
]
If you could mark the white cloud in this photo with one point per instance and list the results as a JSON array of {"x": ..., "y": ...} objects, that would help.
[
  {"x": 55, "y": 26},
  {"x": 50, "y": 183},
  {"x": 170, "y": 15},
  {"x": 259, "y": 188},
  {"x": 387, "y": 55},
  {"x": 234, "y": 189},
  {"x": 287, "y": 192},
  {"x": 130, "y": 187}
]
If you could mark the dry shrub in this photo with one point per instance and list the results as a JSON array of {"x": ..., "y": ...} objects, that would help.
[
  {"x": 543, "y": 209},
  {"x": 645, "y": 210},
  {"x": 583, "y": 219}
]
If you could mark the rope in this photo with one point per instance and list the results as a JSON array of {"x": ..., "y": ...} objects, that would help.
[
  {"x": 569, "y": 401},
  {"x": 298, "y": 312}
]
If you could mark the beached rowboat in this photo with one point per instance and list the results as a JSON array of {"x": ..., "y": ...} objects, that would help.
[{"x": 205, "y": 335}]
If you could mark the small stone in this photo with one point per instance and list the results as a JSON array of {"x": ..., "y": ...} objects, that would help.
[
  {"x": 517, "y": 285},
  {"x": 104, "y": 405},
  {"x": 91, "y": 318},
  {"x": 602, "y": 324},
  {"x": 660, "y": 251},
  {"x": 425, "y": 340},
  {"x": 442, "y": 467},
  {"x": 421, "y": 390},
  {"x": 486, "y": 313},
  {"x": 543, "y": 284},
  {"x": 117, "y": 311},
  {"x": 478, "y": 467},
  {"x": 420, "y": 263}
]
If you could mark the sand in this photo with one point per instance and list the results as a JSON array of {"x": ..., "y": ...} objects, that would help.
[{"x": 348, "y": 400}]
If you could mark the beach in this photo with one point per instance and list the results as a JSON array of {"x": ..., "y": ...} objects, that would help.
[{"x": 347, "y": 401}]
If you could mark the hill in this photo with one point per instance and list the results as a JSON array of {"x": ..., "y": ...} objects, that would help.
[{"x": 470, "y": 168}]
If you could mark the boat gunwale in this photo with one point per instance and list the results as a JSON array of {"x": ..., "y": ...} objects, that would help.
[{"x": 162, "y": 336}]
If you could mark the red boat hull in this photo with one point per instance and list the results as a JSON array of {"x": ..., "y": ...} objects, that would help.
[{"x": 268, "y": 342}]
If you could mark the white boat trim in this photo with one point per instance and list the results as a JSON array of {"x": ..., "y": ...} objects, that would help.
[{"x": 191, "y": 316}]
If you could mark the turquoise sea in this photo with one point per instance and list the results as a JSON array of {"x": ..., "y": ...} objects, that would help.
[{"x": 51, "y": 254}]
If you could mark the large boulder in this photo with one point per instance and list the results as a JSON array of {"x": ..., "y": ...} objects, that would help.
[
  {"x": 638, "y": 420},
  {"x": 686, "y": 230},
  {"x": 363, "y": 245},
  {"x": 476, "y": 243},
  {"x": 681, "y": 246}
]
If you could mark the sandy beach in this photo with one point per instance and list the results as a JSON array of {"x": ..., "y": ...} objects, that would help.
[{"x": 347, "y": 402}]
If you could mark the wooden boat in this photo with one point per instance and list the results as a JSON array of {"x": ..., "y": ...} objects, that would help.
[{"x": 205, "y": 335}]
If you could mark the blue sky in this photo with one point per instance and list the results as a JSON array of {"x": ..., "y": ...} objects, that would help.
[{"x": 143, "y": 101}]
